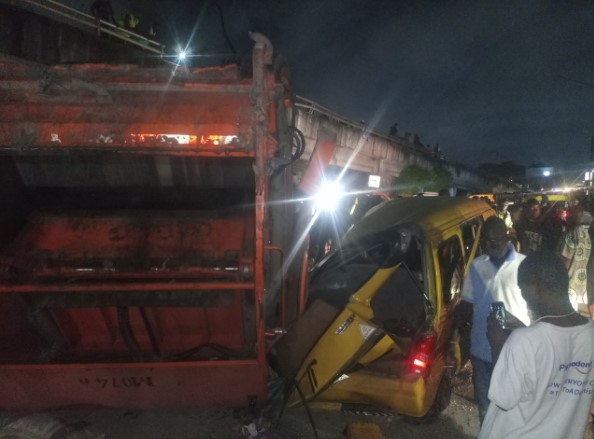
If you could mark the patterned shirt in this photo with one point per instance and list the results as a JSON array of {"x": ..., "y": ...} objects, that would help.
[{"x": 576, "y": 246}]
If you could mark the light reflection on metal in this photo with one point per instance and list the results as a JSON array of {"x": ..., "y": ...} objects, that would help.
[
  {"x": 182, "y": 139},
  {"x": 218, "y": 140},
  {"x": 168, "y": 139}
]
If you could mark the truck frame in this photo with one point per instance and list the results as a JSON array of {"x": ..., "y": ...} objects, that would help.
[{"x": 144, "y": 230}]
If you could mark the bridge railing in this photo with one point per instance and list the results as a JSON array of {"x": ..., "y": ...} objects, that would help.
[{"x": 74, "y": 16}]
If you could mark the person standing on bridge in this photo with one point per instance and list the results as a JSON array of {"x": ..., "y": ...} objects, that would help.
[
  {"x": 102, "y": 10},
  {"x": 543, "y": 379}
]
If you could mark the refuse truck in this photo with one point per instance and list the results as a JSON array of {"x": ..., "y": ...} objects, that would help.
[{"x": 149, "y": 234}]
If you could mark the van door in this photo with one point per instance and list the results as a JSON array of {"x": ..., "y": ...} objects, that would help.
[{"x": 452, "y": 264}]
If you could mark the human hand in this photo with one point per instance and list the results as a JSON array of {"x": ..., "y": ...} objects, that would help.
[
  {"x": 513, "y": 322},
  {"x": 496, "y": 336}
]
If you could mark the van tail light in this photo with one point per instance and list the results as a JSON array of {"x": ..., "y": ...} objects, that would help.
[{"x": 422, "y": 353}]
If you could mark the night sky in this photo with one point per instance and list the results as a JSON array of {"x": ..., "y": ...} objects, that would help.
[{"x": 489, "y": 81}]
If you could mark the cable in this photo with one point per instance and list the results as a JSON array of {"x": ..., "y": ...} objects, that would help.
[
  {"x": 128, "y": 334},
  {"x": 226, "y": 352},
  {"x": 297, "y": 142},
  {"x": 307, "y": 410},
  {"x": 290, "y": 384},
  {"x": 225, "y": 35},
  {"x": 151, "y": 333}
]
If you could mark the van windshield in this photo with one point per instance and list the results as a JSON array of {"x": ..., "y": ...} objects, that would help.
[{"x": 340, "y": 274}]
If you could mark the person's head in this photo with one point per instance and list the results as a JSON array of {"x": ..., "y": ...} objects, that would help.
[
  {"x": 575, "y": 215},
  {"x": 494, "y": 238},
  {"x": 532, "y": 208},
  {"x": 544, "y": 282},
  {"x": 515, "y": 211}
]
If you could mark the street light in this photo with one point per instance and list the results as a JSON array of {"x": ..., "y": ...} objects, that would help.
[{"x": 328, "y": 196}]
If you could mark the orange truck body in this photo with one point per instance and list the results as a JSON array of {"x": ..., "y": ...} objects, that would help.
[{"x": 139, "y": 247}]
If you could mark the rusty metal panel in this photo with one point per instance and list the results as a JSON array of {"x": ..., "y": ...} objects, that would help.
[
  {"x": 213, "y": 384},
  {"x": 131, "y": 244},
  {"x": 140, "y": 109}
]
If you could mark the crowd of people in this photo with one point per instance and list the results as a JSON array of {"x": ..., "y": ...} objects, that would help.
[
  {"x": 560, "y": 227},
  {"x": 533, "y": 378}
]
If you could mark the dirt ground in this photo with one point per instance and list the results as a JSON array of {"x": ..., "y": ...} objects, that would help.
[
  {"x": 459, "y": 420},
  {"x": 462, "y": 383}
]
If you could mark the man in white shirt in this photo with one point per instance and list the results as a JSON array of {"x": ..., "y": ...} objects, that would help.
[
  {"x": 543, "y": 380},
  {"x": 491, "y": 277}
]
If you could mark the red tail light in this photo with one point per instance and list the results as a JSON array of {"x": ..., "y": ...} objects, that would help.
[{"x": 421, "y": 354}]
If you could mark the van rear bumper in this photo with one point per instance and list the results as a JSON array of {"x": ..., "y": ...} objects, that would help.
[
  {"x": 410, "y": 396},
  {"x": 403, "y": 396}
]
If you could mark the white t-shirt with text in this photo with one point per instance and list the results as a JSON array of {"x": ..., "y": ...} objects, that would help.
[{"x": 542, "y": 384}]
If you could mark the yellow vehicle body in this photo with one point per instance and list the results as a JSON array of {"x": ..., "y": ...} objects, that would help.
[
  {"x": 553, "y": 198},
  {"x": 370, "y": 353}
]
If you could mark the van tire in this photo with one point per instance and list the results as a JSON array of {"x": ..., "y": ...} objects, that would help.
[{"x": 441, "y": 402}]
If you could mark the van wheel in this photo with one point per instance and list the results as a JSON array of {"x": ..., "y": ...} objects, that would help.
[{"x": 441, "y": 402}]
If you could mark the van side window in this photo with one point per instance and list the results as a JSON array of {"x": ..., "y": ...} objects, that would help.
[
  {"x": 469, "y": 234},
  {"x": 451, "y": 267}
]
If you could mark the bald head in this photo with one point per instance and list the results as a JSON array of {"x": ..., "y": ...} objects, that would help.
[
  {"x": 495, "y": 226},
  {"x": 494, "y": 238},
  {"x": 545, "y": 270}
]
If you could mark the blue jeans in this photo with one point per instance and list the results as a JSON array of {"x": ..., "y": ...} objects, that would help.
[{"x": 481, "y": 379}]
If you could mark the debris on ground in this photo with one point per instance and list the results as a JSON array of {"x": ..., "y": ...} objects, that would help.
[
  {"x": 363, "y": 430},
  {"x": 42, "y": 426}
]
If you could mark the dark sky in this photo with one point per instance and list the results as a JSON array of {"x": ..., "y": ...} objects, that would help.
[{"x": 489, "y": 81}]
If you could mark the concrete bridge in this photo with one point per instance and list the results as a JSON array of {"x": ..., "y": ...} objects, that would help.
[
  {"x": 372, "y": 153},
  {"x": 46, "y": 32}
]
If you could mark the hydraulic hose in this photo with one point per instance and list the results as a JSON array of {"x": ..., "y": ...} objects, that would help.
[{"x": 127, "y": 333}]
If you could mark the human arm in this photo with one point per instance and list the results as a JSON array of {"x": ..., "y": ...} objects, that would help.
[
  {"x": 514, "y": 374},
  {"x": 497, "y": 336}
]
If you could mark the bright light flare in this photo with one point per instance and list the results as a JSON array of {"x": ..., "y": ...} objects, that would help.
[
  {"x": 182, "y": 55},
  {"x": 328, "y": 197}
]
